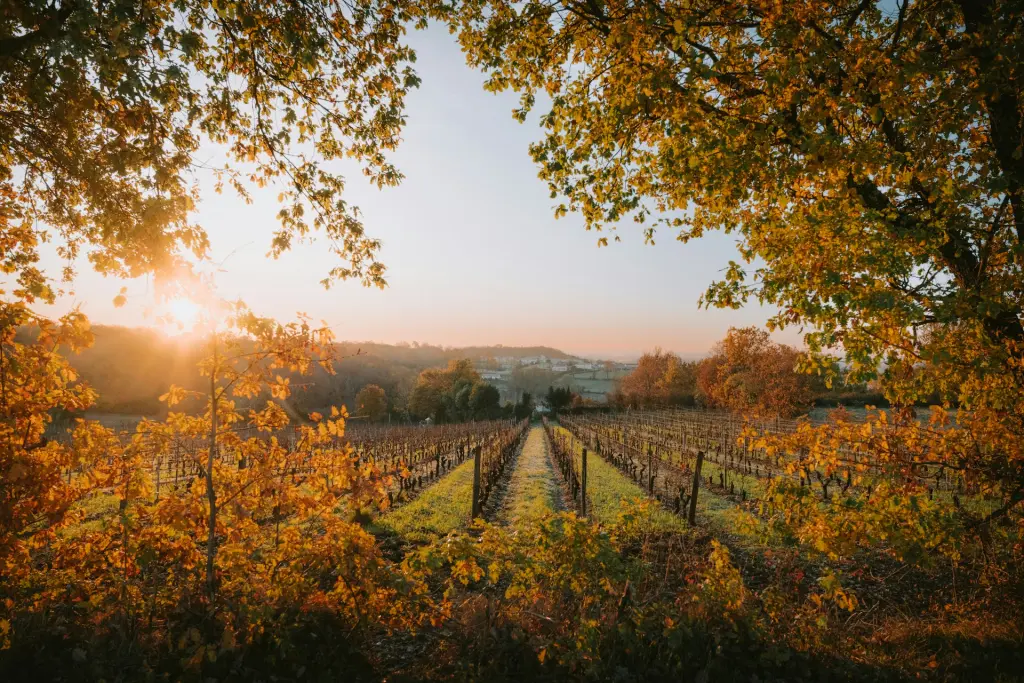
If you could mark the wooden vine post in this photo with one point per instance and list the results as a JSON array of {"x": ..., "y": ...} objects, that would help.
[
  {"x": 650, "y": 470},
  {"x": 583, "y": 484},
  {"x": 692, "y": 516},
  {"x": 476, "y": 483}
]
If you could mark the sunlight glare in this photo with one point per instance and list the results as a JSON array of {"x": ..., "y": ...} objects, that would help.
[{"x": 185, "y": 313}]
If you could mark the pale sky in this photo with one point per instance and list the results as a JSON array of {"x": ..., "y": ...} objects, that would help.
[{"x": 473, "y": 252}]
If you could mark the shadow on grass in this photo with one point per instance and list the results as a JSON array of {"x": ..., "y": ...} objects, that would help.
[{"x": 317, "y": 648}]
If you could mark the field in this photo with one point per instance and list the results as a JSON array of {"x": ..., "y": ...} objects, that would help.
[
  {"x": 547, "y": 470},
  {"x": 550, "y": 535},
  {"x": 594, "y": 385}
]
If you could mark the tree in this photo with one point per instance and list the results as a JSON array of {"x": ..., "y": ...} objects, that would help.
[
  {"x": 638, "y": 387},
  {"x": 444, "y": 394},
  {"x": 660, "y": 378},
  {"x": 679, "y": 382},
  {"x": 524, "y": 407},
  {"x": 867, "y": 157},
  {"x": 485, "y": 401},
  {"x": 106, "y": 105},
  {"x": 845, "y": 145},
  {"x": 426, "y": 398},
  {"x": 103, "y": 109},
  {"x": 372, "y": 402},
  {"x": 35, "y": 382},
  {"x": 559, "y": 398},
  {"x": 748, "y": 373}
]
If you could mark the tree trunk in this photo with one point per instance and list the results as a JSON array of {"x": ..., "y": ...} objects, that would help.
[{"x": 211, "y": 492}]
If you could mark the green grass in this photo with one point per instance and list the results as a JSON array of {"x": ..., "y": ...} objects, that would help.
[
  {"x": 608, "y": 486},
  {"x": 98, "y": 507},
  {"x": 439, "y": 509},
  {"x": 607, "y": 489},
  {"x": 534, "y": 489}
]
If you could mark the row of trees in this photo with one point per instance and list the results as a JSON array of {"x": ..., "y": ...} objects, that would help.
[
  {"x": 457, "y": 394},
  {"x": 749, "y": 373},
  {"x": 746, "y": 372}
]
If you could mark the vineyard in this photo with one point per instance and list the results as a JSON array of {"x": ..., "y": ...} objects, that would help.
[
  {"x": 403, "y": 460},
  {"x": 659, "y": 450},
  {"x": 595, "y": 537},
  {"x": 226, "y": 495},
  {"x": 531, "y": 512}
]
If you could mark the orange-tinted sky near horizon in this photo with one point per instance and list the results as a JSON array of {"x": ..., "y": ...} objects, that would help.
[{"x": 474, "y": 254}]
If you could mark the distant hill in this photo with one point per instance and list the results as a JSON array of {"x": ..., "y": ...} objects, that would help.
[
  {"x": 422, "y": 352},
  {"x": 475, "y": 352},
  {"x": 131, "y": 368}
]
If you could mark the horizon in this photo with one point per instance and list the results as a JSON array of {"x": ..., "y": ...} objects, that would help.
[{"x": 623, "y": 358}]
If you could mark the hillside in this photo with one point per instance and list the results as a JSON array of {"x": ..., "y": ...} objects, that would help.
[{"x": 131, "y": 368}]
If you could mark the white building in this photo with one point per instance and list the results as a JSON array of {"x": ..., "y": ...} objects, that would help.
[{"x": 495, "y": 375}]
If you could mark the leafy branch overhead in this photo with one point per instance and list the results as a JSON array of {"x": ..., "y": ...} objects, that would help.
[
  {"x": 109, "y": 111},
  {"x": 867, "y": 155}
]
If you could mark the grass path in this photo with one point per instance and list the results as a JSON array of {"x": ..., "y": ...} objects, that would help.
[
  {"x": 439, "y": 509},
  {"x": 534, "y": 490},
  {"x": 607, "y": 488}
]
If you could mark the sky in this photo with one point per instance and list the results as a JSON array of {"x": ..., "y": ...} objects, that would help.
[{"x": 473, "y": 251}]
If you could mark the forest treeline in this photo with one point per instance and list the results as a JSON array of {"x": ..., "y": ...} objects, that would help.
[
  {"x": 130, "y": 368},
  {"x": 745, "y": 372}
]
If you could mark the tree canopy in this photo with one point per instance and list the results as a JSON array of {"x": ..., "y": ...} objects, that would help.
[
  {"x": 109, "y": 109},
  {"x": 372, "y": 402},
  {"x": 558, "y": 398},
  {"x": 660, "y": 379},
  {"x": 452, "y": 394},
  {"x": 748, "y": 372},
  {"x": 867, "y": 156}
]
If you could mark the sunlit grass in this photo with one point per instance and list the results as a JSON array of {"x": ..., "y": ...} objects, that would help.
[
  {"x": 608, "y": 490},
  {"x": 534, "y": 490},
  {"x": 98, "y": 508},
  {"x": 439, "y": 509}
]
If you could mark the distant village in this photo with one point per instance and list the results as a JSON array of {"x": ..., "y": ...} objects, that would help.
[
  {"x": 591, "y": 379},
  {"x": 500, "y": 368}
]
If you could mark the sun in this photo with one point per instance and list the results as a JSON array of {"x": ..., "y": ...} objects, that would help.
[{"x": 185, "y": 313}]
